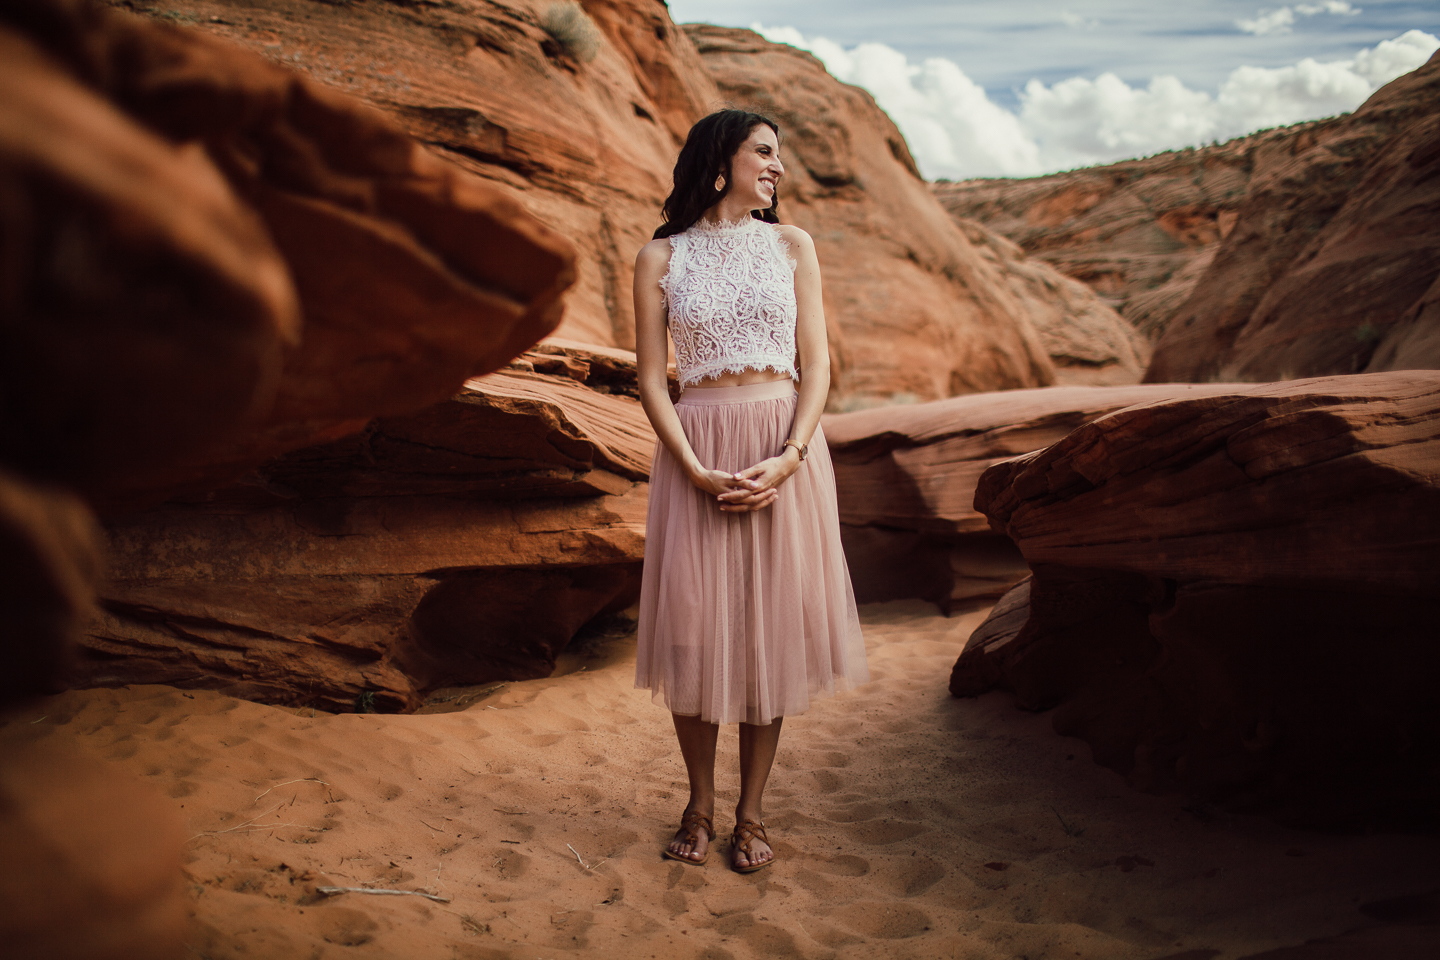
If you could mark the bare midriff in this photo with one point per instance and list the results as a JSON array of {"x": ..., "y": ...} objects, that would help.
[{"x": 742, "y": 379}]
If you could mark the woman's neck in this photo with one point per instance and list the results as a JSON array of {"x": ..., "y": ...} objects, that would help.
[{"x": 728, "y": 211}]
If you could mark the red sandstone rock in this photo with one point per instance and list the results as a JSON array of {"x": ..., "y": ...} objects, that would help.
[
  {"x": 92, "y": 860},
  {"x": 906, "y": 477},
  {"x": 585, "y": 146},
  {"x": 1138, "y": 232},
  {"x": 412, "y": 275},
  {"x": 1086, "y": 340},
  {"x": 1236, "y": 594},
  {"x": 1330, "y": 263},
  {"x": 130, "y": 272},
  {"x": 462, "y": 544}
]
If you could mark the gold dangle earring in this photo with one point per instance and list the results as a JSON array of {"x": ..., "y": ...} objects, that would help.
[{"x": 720, "y": 183}]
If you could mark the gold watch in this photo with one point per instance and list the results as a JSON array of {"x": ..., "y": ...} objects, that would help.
[{"x": 802, "y": 448}]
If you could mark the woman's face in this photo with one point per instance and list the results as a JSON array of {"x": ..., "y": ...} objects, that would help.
[{"x": 755, "y": 170}]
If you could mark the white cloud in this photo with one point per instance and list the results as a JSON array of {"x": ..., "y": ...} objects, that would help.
[
  {"x": 1275, "y": 21},
  {"x": 1078, "y": 22},
  {"x": 956, "y": 131},
  {"x": 1283, "y": 19}
]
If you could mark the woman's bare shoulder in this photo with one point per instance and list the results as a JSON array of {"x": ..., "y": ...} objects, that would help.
[
  {"x": 794, "y": 236},
  {"x": 655, "y": 254}
]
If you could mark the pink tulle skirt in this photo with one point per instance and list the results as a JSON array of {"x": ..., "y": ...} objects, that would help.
[{"x": 745, "y": 616}]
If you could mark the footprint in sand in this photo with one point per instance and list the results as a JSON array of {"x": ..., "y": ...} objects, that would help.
[
  {"x": 885, "y": 921},
  {"x": 880, "y": 832},
  {"x": 909, "y": 876},
  {"x": 346, "y": 927},
  {"x": 844, "y": 865}
]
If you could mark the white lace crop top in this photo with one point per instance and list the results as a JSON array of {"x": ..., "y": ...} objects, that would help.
[{"x": 730, "y": 294}]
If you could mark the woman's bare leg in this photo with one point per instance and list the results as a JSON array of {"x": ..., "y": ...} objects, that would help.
[
  {"x": 757, "y": 755},
  {"x": 697, "y": 746}
]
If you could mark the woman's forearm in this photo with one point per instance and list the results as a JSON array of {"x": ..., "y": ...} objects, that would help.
[
  {"x": 666, "y": 423},
  {"x": 814, "y": 390}
]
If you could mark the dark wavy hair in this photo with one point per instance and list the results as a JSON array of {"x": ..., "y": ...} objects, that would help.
[{"x": 706, "y": 155}]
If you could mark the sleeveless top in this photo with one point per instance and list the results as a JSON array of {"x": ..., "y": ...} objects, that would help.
[{"x": 730, "y": 295}]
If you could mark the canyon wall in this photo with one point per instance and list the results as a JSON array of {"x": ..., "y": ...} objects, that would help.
[{"x": 1289, "y": 253}]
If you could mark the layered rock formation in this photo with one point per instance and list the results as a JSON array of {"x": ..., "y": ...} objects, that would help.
[
  {"x": 906, "y": 476},
  {"x": 1138, "y": 232},
  {"x": 1331, "y": 265},
  {"x": 465, "y": 543},
  {"x": 1086, "y": 340},
  {"x": 159, "y": 340},
  {"x": 916, "y": 309},
  {"x": 584, "y": 138},
  {"x": 1235, "y": 595},
  {"x": 186, "y": 178}
]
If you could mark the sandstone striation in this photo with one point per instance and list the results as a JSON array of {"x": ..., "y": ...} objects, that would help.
[
  {"x": 906, "y": 476},
  {"x": 1235, "y": 594},
  {"x": 1087, "y": 341},
  {"x": 466, "y": 543},
  {"x": 1330, "y": 266}
]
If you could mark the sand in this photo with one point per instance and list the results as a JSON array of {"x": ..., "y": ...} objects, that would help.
[{"x": 907, "y": 823}]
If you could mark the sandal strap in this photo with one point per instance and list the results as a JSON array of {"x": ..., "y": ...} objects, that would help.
[
  {"x": 693, "y": 822},
  {"x": 746, "y": 831}
]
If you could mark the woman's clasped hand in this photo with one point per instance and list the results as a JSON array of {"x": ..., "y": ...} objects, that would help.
[{"x": 752, "y": 489}]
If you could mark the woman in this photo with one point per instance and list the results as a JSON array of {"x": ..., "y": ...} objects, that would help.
[{"x": 746, "y": 611}]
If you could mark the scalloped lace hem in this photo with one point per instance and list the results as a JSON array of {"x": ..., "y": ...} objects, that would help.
[{"x": 712, "y": 370}]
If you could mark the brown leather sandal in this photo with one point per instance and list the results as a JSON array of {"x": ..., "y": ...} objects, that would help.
[
  {"x": 692, "y": 823},
  {"x": 746, "y": 831}
]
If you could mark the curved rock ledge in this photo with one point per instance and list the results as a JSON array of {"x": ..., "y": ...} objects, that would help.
[{"x": 1235, "y": 595}]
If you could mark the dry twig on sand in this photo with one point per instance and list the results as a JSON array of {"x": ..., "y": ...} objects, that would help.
[
  {"x": 332, "y": 891},
  {"x": 288, "y": 782}
]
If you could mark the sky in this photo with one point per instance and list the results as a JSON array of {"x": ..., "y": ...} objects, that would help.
[{"x": 985, "y": 88}]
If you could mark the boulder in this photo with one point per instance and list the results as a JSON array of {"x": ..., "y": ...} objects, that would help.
[
  {"x": 1331, "y": 266},
  {"x": 905, "y": 477},
  {"x": 1235, "y": 594},
  {"x": 130, "y": 271},
  {"x": 411, "y": 274},
  {"x": 463, "y": 544}
]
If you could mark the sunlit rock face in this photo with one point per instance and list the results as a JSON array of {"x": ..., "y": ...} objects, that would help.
[
  {"x": 583, "y": 136},
  {"x": 1235, "y": 594},
  {"x": 1332, "y": 264}
]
